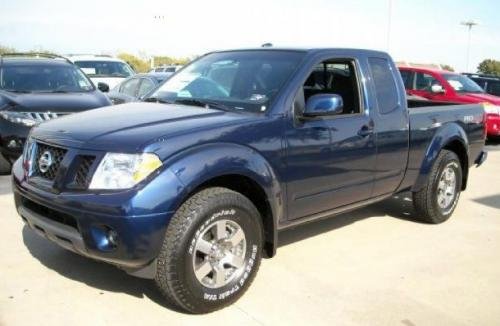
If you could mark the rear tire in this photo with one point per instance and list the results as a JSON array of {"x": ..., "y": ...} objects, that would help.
[
  {"x": 211, "y": 252},
  {"x": 5, "y": 166},
  {"x": 437, "y": 200}
]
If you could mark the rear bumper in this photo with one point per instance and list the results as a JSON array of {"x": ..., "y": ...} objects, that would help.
[{"x": 82, "y": 222}]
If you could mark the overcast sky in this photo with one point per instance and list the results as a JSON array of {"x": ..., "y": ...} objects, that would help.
[{"x": 421, "y": 31}]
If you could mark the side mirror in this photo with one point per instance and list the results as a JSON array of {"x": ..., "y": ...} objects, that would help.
[
  {"x": 103, "y": 87},
  {"x": 323, "y": 105},
  {"x": 437, "y": 89}
]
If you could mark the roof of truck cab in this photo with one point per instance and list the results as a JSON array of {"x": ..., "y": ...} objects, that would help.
[{"x": 307, "y": 50}]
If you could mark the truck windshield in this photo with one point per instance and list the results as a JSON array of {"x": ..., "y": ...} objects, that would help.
[
  {"x": 463, "y": 84},
  {"x": 43, "y": 79},
  {"x": 240, "y": 80},
  {"x": 105, "y": 68}
]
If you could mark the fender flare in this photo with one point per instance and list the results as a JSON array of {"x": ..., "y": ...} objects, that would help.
[
  {"x": 448, "y": 134},
  {"x": 200, "y": 164}
]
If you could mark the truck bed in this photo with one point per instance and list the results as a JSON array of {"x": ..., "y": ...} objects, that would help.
[{"x": 429, "y": 119}]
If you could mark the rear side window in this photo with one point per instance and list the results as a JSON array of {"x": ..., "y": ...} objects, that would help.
[
  {"x": 407, "y": 77},
  {"x": 494, "y": 88},
  {"x": 385, "y": 85}
]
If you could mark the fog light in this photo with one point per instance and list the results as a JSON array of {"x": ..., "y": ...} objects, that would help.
[
  {"x": 112, "y": 237},
  {"x": 105, "y": 238},
  {"x": 12, "y": 144}
]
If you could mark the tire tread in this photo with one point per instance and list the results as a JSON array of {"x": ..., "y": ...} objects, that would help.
[{"x": 166, "y": 277}]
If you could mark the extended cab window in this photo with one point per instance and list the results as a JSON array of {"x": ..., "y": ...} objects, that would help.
[
  {"x": 385, "y": 85},
  {"x": 425, "y": 82},
  {"x": 335, "y": 77}
]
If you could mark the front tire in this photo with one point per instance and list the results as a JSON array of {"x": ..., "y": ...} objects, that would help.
[
  {"x": 211, "y": 252},
  {"x": 437, "y": 200}
]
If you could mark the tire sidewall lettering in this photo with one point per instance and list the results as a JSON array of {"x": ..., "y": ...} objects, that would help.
[{"x": 243, "y": 218}]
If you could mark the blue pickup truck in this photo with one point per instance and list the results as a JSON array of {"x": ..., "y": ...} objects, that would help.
[{"x": 191, "y": 186}]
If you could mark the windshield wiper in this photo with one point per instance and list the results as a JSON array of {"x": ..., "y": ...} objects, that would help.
[
  {"x": 156, "y": 100},
  {"x": 16, "y": 91},
  {"x": 203, "y": 103}
]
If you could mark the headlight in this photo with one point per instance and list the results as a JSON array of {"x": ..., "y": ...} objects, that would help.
[
  {"x": 18, "y": 117},
  {"x": 491, "y": 109},
  {"x": 123, "y": 171}
]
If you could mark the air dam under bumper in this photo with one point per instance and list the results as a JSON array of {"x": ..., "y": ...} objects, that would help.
[{"x": 130, "y": 242}]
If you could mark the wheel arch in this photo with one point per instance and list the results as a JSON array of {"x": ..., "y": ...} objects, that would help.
[
  {"x": 236, "y": 167},
  {"x": 453, "y": 138}
]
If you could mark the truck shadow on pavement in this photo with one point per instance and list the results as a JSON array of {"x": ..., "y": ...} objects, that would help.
[
  {"x": 5, "y": 186},
  {"x": 493, "y": 145},
  {"x": 492, "y": 201},
  {"x": 96, "y": 274},
  {"x": 105, "y": 277},
  {"x": 398, "y": 206}
]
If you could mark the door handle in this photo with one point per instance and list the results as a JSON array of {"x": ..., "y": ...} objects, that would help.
[{"x": 365, "y": 131}]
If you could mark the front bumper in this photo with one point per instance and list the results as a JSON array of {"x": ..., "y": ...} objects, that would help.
[
  {"x": 12, "y": 139},
  {"x": 81, "y": 222}
]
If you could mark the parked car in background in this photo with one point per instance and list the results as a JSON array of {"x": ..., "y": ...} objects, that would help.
[
  {"x": 192, "y": 189},
  {"x": 103, "y": 68},
  {"x": 490, "y": 83},
  {"x": 446, "y": 86},
  {"x": 35, "y": 88},
  {"x": 170, "y": 69},
  {"x": 134, "y": 88}
]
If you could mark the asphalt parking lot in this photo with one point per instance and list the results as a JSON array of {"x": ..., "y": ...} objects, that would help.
[{"x": 374, "y": 266}]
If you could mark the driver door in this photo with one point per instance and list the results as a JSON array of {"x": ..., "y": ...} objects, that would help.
[{"x": 330, "y": 159}]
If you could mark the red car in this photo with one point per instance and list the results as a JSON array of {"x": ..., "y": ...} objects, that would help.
[{"x": 445, "y": 86}]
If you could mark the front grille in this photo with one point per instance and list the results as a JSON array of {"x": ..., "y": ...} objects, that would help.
[
  {"x": 43, "y": 116},
  {"x": 82, "y": 176},
  {"x": 48, "y": 171},
  {"x": 50, "y": 213}
]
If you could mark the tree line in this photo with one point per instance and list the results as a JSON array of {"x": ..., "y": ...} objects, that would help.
[{"x": 142, "y": 62}]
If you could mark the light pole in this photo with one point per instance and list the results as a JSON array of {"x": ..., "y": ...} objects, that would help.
[
  {"x": 469, "y": 24},
  {"x": 389, "y": 23}
]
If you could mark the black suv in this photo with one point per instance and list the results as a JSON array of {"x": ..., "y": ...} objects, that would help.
[
  {"x": 35, "y": 88},
  {"x": 490, "y": 83}
]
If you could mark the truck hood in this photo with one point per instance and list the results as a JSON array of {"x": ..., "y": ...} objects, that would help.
[
  {"x": 480, "y": 97},
  {"x": 55, "y": 102},
  {"x": 131, "y": 127}
]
